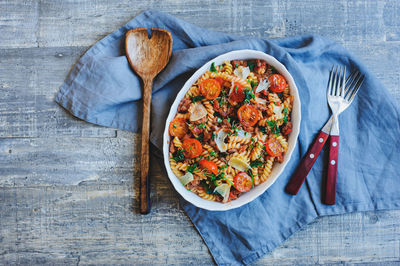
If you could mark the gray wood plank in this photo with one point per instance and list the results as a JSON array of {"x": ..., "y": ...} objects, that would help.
[
  {"x": 60, "y": 161},
  {"x": 81, "y": 23},
  {"x": 19, "y": 23},
  {"x": 29, "y": 84}
]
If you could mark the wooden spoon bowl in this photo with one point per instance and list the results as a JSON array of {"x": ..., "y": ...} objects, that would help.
[{"x": 147, "y": 55}]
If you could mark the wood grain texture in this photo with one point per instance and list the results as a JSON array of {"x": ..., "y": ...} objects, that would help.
[{"x": 66, "y": 192}]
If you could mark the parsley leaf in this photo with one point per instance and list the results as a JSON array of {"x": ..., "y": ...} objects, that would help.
[
  {"x": 256, "y": 163},
  {"x": 178, "y": 156},
  {"x": 212, "y": 68},
  {"x": 274, "y": 126},
  {"x": 196, "y": 98},
  {"x": 248, "y": 95},
  {"x": 251, "y": 65},
  {"x": 285, "y": 117},
  {"x": 201, "y": 126},
  {"x": 191, "y": 168}
]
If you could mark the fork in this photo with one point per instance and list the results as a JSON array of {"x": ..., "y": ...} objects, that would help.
[{"x": 340, "y": 94}]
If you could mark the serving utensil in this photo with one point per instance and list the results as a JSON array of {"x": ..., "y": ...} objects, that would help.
[
  {"x": 147, "y": 55},
  {"x": 340, "y": 94}
]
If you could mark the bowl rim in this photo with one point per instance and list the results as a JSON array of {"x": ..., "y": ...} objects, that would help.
[{"x": 278, "y": 168}]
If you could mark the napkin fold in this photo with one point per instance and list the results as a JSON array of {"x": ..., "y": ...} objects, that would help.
[{"x": 102, "y": 89}]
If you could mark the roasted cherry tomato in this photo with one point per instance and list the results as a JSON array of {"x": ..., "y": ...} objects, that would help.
[
  {"x": 248, "y": 115},
  {"x": 220, "y": 80},
  {"x": 209, "y": 166},
  {"x": 237, "y": 94},
  {"x": 243, "y": 182},
  {"x": 210, "y": 88},
  {"x": 191, "y": 148},
  {"x": 277, "y": 83},
  {"x": 273, "y": 147},
  {"x": 178, "y": 127}
]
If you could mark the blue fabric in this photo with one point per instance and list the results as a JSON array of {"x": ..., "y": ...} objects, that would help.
[{"x": 103, "y": 90}]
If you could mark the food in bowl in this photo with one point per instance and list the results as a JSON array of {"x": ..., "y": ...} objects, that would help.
[{"x": 230, "y": 128}]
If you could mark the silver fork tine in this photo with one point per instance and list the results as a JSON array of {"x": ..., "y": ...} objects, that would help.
[
  {"x": 330, "y": 82},
  {"x": 333, "y": 90},
  {"x": 343, "y": 82},
  {"x": 353, "y": 86},
  {"x": 352, "y": 81},
  {"x": 357, "y": 87}
]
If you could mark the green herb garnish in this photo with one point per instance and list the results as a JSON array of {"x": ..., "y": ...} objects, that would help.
[
  {"x": 272, "y": 124},
  {"x": 256, "y": 163},
  {"x": 212, "y": 68},
  {"x": 201, "y": 126},
  {"x": 285, "y": 117},
  {"x": 196, "y": 98},
  {"x": 178, "y": 156},
  {"x": 251, "y": 65},
  {"x": 248, "y": 95}
]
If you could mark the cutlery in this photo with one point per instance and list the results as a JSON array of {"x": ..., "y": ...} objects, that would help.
[
  {"x": 147, "y": 55},
  {"x": 340, "y": 94}
]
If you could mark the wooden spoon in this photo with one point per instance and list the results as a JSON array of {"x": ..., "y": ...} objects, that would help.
[{"x": 147, "y": 56}]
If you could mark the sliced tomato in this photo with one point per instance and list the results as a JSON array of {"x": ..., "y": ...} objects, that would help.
[
  {"x": 248, "y": 115},
  {"x": 243, "y": 182},
  {"x": 178, "y": 127},
  {"x": 273, "y": 147},
  {"x": 209, "y": 166},
  {"x": 210, "y": 88},
  {"x": 277, "y": 83},
  {"x": 220, "y": 80},
  {"x": 216, "y": 104},
  {"x": 237, "y": 94},
  {"x": 191, "y": 148}
]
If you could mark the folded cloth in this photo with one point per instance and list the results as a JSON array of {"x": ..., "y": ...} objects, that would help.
[{"x": 102, "y": 89}]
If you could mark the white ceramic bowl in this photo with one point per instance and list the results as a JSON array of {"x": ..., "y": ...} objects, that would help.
[{"x": 277, "y": 168}]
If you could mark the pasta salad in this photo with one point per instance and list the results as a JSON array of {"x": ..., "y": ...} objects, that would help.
[{"x": 231, "y": 127}]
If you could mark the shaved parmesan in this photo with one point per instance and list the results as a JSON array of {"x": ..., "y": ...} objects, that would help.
[
  {"x": 239, "y": 164},
  {"x": 277, "y": 109},
  {"x": 242, "y": 72},
  {"x": 223, "y": 190},
  {"x": 220, "y": 141},
  {"x": 264, "y": 85},
  {"x": 197, "y": 112},
  {"x": 186, "y": 179}
]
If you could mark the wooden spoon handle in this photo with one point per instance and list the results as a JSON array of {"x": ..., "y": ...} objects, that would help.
[{"x": 144, "y": 161}]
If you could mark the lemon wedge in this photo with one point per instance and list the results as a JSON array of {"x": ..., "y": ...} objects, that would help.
[
  {"x": 186, "y": 178},
  {"x": 223, "y": 190},
  {"x": 239, "y": 164}
]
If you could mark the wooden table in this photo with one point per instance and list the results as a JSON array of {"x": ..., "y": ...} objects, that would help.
[{"x": 66, "y": 185}]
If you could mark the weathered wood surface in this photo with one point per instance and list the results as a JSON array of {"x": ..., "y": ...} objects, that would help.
[{"x": 66, "y": 187}]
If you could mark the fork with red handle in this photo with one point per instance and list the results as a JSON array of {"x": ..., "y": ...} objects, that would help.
[{"x": 340, "y": 95}]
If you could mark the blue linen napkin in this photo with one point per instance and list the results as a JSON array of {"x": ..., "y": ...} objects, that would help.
[{"x": 102, "y": 89}]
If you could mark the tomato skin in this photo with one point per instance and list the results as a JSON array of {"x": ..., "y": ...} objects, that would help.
[
  {"x": 237, "y": 95},
  {"x": 216, "y": 104},
  {"x": 178, "y": 127},
  {"x": 277, "y": 83},
  {"x": 209, "y": 165},
  {"x": 248, "y": 115},
  {"x": 191, "y": 148},
  {"x": 220, "y": 80},
  {"x": 210, "y": 88},
  {"x": 273, "y": 147},
  {"x": 243, "y": 182}
]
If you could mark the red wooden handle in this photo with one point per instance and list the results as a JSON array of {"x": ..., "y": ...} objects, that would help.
[
  {"x": 330, "y": 185},
  {"x": 306, "y": 164}
]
